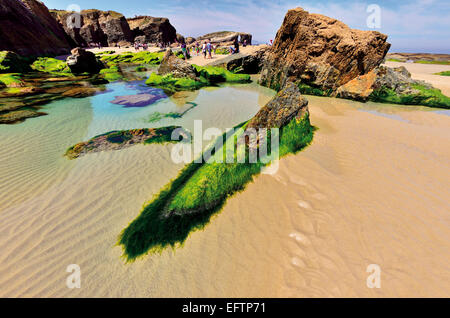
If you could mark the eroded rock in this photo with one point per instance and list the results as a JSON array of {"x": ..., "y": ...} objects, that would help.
[
  {"x": 177, "y": 67},
  {"x": 321, "y": 52}
]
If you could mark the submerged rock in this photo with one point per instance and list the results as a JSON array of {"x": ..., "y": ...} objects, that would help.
[
  {"x": 139, "y": 100},
  {"x": 82, "y": 61},
  {"x": 321, "y": 52},
  {"x": 116, "y": 140}
]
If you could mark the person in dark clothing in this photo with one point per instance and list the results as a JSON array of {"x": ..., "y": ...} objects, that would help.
[{"x": 236, "y": 46}]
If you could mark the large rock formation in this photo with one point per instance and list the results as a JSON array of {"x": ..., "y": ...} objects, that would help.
[
  {"x": 179, "y": 68},
  {"x": 321, "y": 52},
  {"x": 153, "y": 30},
  {"x": 226, "y": 37},
  {"x": 105, "y": 27},
  {"x": 28, "y": 28}
]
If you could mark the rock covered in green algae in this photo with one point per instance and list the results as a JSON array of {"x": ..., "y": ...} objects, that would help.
[
  {"x": 116, "y": 140},
  {"x": 11, "y": 62},
  {"x": 393, "y": 85},
  {"x": 175, "y": 75}
]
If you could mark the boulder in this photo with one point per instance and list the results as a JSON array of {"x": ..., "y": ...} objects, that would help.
[
  {"x": 285, "y": 106},
  {"x": 179, "y": 68},
  {"x": 250, "y": 63},
  {"x": 82, "y": 61},
  {"x": 321, "y": 52},
  {"x": 11, "y": 62},
  {"x": 155, "y": 30},
  {"x": 190, "y": 40},
  {"x": 28, "y": 28},
  {"x": 396, "y": 79},
  {"x": 180, "y": 38},
  {"x": 226, "y": 38},
  {"x": 96, "y": 26}
]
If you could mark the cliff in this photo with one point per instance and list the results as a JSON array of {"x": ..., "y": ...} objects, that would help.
[
  {"x": 96, "y": 26},
  {"x": 28, "y": 28},
  {"x": 152, "y": 30}
]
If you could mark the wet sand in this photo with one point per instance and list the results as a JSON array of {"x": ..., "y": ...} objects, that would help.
[
  {"x": 426, "y": 72},
  {"x": 373, "y": 188}
]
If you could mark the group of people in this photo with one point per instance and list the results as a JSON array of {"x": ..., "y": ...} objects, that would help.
[
  {"x": 206, "y": 49},
  {"x": 138, "y": 46}
]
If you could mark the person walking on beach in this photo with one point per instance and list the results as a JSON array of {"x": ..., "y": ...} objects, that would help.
[
  {"x": 236, "y": 46},
  {"x": 204, "y": 50},
  {"x": 184, "y": 50},
  {"x": 209, "y": 49}
]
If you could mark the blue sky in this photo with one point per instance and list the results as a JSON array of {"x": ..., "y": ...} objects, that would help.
[{"x": 412, "y": 25}]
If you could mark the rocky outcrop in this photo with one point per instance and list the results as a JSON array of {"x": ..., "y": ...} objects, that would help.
[
  {"x": 321, "y": 52},
  {"x": 398, "y": 80},
  {"x": 11, "y": 62},
  {"x": 287, "y": 105},
  {"x": 82, "y": 61},
  {"x": 179, "y": 68},
  {"x": 249, "y": 63},
  {"x": 96, "y": 26},
  {"x": 28, "y": 28},
  {"x": 154, "y": 30},
  {"x": 190, "y": 40},
  {"x": 226, "y": 37}
]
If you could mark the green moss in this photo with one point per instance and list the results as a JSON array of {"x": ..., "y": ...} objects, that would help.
[
  {"x": 152, "y": 58},
  {"x": 11, "y": 80},
  {"x": 13, "y": 63},
  {"x": 172, "y": 84},
  {"x": 206, "y": 76},
  {"x": 433, "y": 62},
  {"x": 445, "y": 73},
  {"x": 52, "y": 66},
  {"x": 222, "y": 51},
  {"x": 394, "y": 60},
  {"x": 112, "y": 74},
  {"x": 310, "y": 90},
  {"x": 217, "y": 75},
  {"x": 425, "y": 97},
  {"x": 188, "y": 202}
]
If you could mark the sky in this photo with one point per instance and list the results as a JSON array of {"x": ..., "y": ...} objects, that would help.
[{"x": 415, "y": 26}]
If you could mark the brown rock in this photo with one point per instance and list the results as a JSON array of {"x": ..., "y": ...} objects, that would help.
[
  {"x": 321, "y": 52},
  {"x": 28, "y": 28},
  {"x": 287, "y": 105},
  {"x": 154, "y": 30},
  {"x": 226, "y": 37},
  {"x": 96, "y": 26},
  {"x": 82, "y": 61},
  {"x": 177, "y": 67},
  {"x": 397, "y": 79}
]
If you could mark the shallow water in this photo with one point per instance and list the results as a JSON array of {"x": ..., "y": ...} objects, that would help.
[{"x": 372, "y": 188}]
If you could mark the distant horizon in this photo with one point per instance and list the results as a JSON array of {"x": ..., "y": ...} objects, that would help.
[{"x": 415, "y": 26}]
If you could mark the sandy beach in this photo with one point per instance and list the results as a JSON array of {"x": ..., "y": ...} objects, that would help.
[{"x": 310, "y": 230}]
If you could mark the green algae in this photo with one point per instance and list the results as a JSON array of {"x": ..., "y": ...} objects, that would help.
[{"x": 188, "y": 202}]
